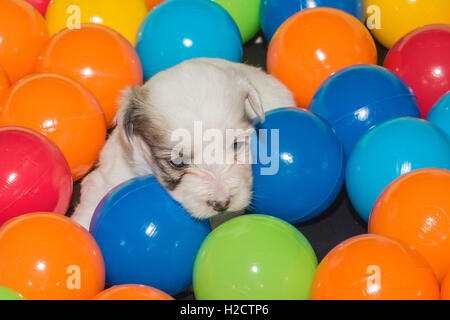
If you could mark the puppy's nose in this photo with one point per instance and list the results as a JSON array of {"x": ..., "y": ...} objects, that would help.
[{"x": 219, "y": 206}]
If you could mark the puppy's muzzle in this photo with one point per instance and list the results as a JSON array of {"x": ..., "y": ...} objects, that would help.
[{"x": 219, "y": 206}]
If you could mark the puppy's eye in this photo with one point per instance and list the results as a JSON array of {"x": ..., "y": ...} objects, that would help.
[
  {"x": 177, "y": 163},
  {"x": 238, "y": 145}
]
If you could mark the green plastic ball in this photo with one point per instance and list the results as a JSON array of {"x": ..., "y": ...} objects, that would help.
[
  {"x": 246, "y": 15},
  {"x": 8, "y": 294},
  {"x": 254, "y": 257}
]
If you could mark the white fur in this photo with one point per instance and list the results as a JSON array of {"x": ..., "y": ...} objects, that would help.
[{"x": 213, "y": 90}]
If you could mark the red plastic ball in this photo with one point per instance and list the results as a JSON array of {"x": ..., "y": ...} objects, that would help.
[
  {"x": 34, "y": 175},
  {"x": 422, "y": 59}
]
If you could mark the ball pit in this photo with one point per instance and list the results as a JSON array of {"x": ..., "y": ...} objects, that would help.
[
  {"x": 254, "y": 257},
  {"x": 373, "y": 267},
  {"x": 132, "y": 292},
  {"x": 34, "y": 175},
  {"x": 78, "y": 129},
  {"x": 274, "y": 12},
  {"x": 179, "y": 30},
  {"x": 121, "y": 16},
  {"x": 376, "y": 95},
  {"x": 53, "y": 125},
  {"x": 47, "y": 256},
  {"x": 327, "y": 40},
  {"x": 245, "y": 14},
  {"x": 96, "y": 57},
  {"x": 158, "y": 241},
  {"x": 421, "y": 58},
  {"x": 439, "y": 115},
  {"x": 8, "y": 294},
  {"x": 389, "y": 151},
  {"x": 415, "y": 209},
  {"x": 391, "y": 20},
  {"x": 305, "y": 172},
  {"x": 40, "y": 5},
  {"x": 23, "y": 34}
]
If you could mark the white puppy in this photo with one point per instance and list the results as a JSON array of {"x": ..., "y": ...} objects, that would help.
[{"x": 222, "y": 95}]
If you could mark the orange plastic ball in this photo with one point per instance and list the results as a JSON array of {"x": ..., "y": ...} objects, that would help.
[
  {"x": 315, "y": 43},
  {"x": 62, "y": 110},
  {"x": 132, "y": 292},
  {"x": 47, "y": 256},
  {"x": 415, "y": 209},
  {"x": 373, "y": 267},
  {"x": 97, "y": 57},
  {"x": 23, "y": 33},
  {"x": 4, "y": 81},
  {"x": 445, "y": 288}
]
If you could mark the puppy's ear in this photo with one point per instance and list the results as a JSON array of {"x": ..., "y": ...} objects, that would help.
[
  {"x": 132, "y": 118},
  {"x": 253, "y": 98}
]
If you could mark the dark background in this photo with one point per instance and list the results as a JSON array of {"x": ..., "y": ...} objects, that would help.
[{"x": 335, "y": 225}]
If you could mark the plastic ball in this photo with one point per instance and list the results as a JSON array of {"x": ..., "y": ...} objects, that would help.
[
  {"x": 390, "y": 20},
  {"x": 47, "y": 256},
  {"x": 299, "y": 167},
  {"x": 62, "y": 110},
  {"x": 155, "y": 245},
  {"x": 180, "y": 30},
  {"x": 445, "y": 288},
  {"x": 23, "y": 34},
  {"x": 357, "y": 98},
  {"x": 274, "y": 12},
  {"x": 312, "y": 45},
  {"x": 34, "y": 175},
  {"x": 132, "y": 292},
  {"x": 388, "y": 151},
  {"x": 96, "y": 57},
  {"x": 440, "y": 114},
  {"x": 373, "y": 267},
  {"x": 254, "y": 257},
  {"x": 8, "y": 294},
  {"x": 4, "y": 81},
  {"x": 121, "y": 16},
  {"x": 245, "y": 14},
  {"x": 40, "y": 5},
  {"x": 415, "y": 209},
  {"x": 421, "y": 58}
]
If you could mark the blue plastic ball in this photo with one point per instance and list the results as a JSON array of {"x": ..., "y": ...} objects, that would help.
[
  {"x": 440, "y": 113},
  {"x": 298, "y": 165},
  {"x": 357, "y": 98},
  {"x": 389, "y": 151},
  {"x": 180, "y": 30},
  {"x": 274, "y": 12},
  {"x": 146, "y": 237}
]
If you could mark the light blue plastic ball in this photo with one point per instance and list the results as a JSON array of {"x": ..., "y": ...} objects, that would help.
[
  {"x": 389, "y": 151},
  {"x": 146, "y": 237},
  {"x": 180, "y": 30},
  {"x": 440, "y": 114}
]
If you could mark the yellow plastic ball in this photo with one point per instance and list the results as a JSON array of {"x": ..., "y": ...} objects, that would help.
[
  {"x": 123, "y": 16},
  {"x": 390, "y": 20}
]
